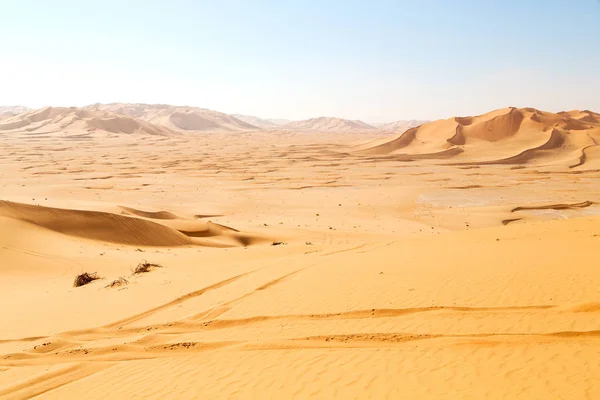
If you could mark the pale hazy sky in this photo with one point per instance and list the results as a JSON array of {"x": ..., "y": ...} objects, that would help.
[{"x": 374, "y": 60}]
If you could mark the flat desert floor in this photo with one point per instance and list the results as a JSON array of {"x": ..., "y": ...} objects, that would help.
[{"x": 293, "y": 265}]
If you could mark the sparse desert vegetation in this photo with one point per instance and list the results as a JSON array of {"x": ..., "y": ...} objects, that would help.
[
  {"x": 84, "y": 278},
  {"x": 145, "y": 267}
]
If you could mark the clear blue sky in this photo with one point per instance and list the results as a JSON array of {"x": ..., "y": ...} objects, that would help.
[{"x": 374, "y": 60}]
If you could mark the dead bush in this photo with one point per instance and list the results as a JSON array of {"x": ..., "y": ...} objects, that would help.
[
  {"x": 144, "y": 267},
  {"x": 118, "y": 282},
  {"x": 85, "y": 278}
]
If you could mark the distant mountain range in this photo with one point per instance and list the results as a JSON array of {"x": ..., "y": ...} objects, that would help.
[
  {"x": 182, "y": 119},
  {"x": 67, "y": 121},
  {"x": 178, "y": 118}
]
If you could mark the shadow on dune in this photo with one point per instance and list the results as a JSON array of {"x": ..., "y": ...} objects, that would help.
[{"x": 129, "y": 230}]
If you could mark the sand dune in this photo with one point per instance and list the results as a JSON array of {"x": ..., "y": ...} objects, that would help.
[
  {"x": 505, "y": 136},
  {"x": 327, "y": 124},
  {"x": 95, "y": 225},
  {"x": 178, "y": 118},
  {"x": 152, "y": 230},
  {"x": 82, "y": 121}
]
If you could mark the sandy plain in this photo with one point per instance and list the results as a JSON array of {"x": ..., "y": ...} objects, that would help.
[{"x": 455, "y": 260}]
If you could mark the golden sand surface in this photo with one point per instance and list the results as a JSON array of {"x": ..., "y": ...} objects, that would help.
[{"x": 456, "y": 260}]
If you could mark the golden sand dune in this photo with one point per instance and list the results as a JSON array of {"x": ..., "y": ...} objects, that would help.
[
  {"x": 152, "y": 230},
  {"x": 178, "y": 118},
  {"x": 82, "y": 121},
  {"x": 505, "y": 136}
]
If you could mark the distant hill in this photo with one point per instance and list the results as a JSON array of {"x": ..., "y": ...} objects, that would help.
[
  {"x": 195, "y": 119},
  {"x": 177, "y": 117},
  {"x": 79, "y": 121},
  {"x": 327, "y": 124},
  {"x": 9, "y": 111},
  {"x": 401, "y": 125},
  {"x": 258, "y": 122},
  {"x": 279, "y": 121}
]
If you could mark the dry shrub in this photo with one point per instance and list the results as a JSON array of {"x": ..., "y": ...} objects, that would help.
[
  {"x": 118, "y": 282},
  {"x": 144, "y": 267},
  {"x": 84, "y": 279}
]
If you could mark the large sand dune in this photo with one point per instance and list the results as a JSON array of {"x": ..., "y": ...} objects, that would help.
[
  {"x": 506, "y": 136},
  {"x": 456, "y": 260}
]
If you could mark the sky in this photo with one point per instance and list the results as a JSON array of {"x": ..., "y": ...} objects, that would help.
[{"x": 374, "y": 60}]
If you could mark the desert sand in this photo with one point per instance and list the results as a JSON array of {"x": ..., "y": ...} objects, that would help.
[{"x": 314, "y": 259}]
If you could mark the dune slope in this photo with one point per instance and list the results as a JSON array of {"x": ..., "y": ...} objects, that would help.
[
  {"x": 326, "y": 325},
  {"x": 153, "y": 229}
]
